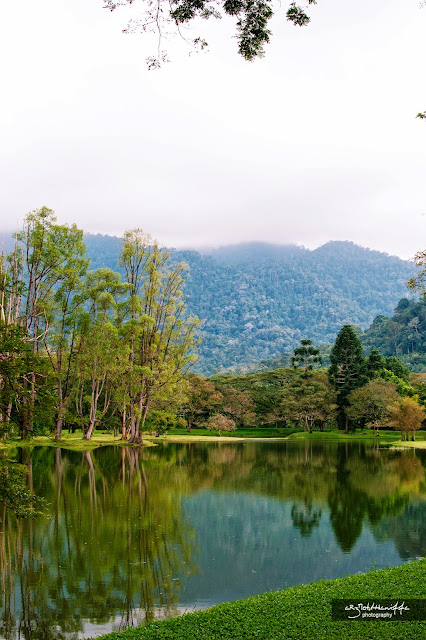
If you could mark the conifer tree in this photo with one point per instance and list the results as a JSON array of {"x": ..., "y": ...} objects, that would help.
[
  {"x": 306, "y": 355},
  {"x": 347, "y": 370}
]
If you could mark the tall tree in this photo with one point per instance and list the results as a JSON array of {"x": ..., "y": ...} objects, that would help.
[
  {"x": 135, "y": 257},
  {"x": 63, "y": 341},
  {"x": 306, "y": 355},
  {"x": 51, "y": 258},
  {"x": 101, "y": 361},
  {"x": 347, "y": 370},
  {"x": 13, "y": 346},
  {"x": 160, "y": 334}
]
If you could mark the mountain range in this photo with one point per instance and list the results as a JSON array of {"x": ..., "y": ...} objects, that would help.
[{"x": 258, "y": 300}]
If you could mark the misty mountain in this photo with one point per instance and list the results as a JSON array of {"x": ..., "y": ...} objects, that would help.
[{"x": 258, "y": 300}]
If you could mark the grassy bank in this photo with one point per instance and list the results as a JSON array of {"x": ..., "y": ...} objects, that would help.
[
  {"x": 418, "y": 444},
  {"x": 279, "y": 432},
  {"x": 75, "y": 441},
  {"x": 301, "y": 613},
  {"x": 71, "y": 441},
  {"x": 365, "y": 435}
]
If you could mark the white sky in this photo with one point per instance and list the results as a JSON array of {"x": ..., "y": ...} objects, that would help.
[{"x": 317, "y": 141}]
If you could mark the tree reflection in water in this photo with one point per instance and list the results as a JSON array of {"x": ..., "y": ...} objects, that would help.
[
  {"x": 119, "y": 545},
  {"x": 115, "y": 546}
]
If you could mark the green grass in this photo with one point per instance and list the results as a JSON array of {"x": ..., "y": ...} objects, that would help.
[
  {"x": 240, "y": 433},
  {"x": 386, "y": 437},
  {"x": 75, "y": 441},
  {"x": 298, "y": 613},
  {"x": 360, "y": 434},
  {"x": 71, "y": 441}
]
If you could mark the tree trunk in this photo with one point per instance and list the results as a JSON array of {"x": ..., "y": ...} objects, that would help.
[
  {"x": 88, "y": 433},
  {"x": 136, "y": 437},
  {"x": 32, "y": 405},
  {"x": 61, "y": 411},
  {"x": 123, "y": 424}
]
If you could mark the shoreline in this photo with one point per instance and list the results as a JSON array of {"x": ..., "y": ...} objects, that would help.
[
  {"x": 302, "y": 612},
  {"x": 75, "y": 442},
  {"x": 417, "y": 444}
]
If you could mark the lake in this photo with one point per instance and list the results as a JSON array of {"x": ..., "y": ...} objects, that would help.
[{"x": 136, "y": 534}]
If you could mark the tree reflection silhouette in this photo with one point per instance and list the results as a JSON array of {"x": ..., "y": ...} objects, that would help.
[
  {"x": 114, "y": 547},
  {"x": 305, "y": 518}
]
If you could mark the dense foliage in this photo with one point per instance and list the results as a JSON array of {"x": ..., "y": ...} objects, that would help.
[
  {"x": 257, "y": 300},
  {"x": 402, "y": 335},
  {"x": 87, "y": 348},
  {"x": 355, "y": 391},
  {"x": 81, "y": 347}
]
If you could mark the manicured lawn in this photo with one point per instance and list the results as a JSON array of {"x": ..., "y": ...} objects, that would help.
[
  {"x": 72, "y": 441},
  {"x": 418, "y": 444},
  {"x": 239, "y": 433},
  {"x": 75, "y": 442},
  {"x": 360, "y": 434},
  {"x": 386, "y": 437},
  {"x": 299, "y": 613}
]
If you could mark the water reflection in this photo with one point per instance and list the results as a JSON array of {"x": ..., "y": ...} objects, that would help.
[
  {"x": 305, "y": 518},
  {"x": 133, "y": 532},
  {"x": 114, "y": 545}
]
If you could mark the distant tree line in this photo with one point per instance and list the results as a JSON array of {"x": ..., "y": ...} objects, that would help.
[{"x": 354, "y": 392}]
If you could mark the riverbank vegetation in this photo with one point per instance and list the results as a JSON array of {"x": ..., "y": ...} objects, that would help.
[{"x": 302, "y": 612}]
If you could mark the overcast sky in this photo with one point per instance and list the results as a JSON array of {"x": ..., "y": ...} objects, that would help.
[{"x": 317, "y": 141}]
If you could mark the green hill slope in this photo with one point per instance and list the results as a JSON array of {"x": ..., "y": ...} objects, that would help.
[
  {"x": 259, "y": 300},
  {"x": 402, "y": 335}
]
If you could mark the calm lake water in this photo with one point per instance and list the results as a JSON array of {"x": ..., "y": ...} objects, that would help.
[{"x": 136, "y": 534}]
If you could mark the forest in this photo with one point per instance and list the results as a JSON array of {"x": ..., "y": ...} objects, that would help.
[{"x": 257, "y": 300}]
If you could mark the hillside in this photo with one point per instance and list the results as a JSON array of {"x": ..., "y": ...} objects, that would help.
[
  {"x": 259, "y": 300},
  {"x": 402, "y": 335}
]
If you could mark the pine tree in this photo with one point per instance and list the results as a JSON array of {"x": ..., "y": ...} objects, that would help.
[
  {"x": 347, "y": 370},
  {"x": 306, "y": 355}
]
